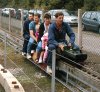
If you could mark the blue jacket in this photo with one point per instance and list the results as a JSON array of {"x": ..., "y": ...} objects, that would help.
[{"x": 55, "y": 36}]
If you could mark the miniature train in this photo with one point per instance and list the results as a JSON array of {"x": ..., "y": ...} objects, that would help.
[{"x": 72, "y": 56}]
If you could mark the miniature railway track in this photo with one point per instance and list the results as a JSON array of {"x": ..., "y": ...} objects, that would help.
[{"x": 82, "y": 77}]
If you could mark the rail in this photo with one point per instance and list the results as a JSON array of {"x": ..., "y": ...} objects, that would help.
[{"x": 85, "y": 80}]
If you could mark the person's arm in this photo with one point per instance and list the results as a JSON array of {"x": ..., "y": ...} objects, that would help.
[
  {"x": 71, "y": 34},
  {"x": 32, "y": 30},
  {"x": 32, "y": 35}
]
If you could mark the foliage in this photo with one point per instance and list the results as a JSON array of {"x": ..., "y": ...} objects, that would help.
[
  {"x": 52, "y": 4},
  {"x": 92, "y": 5},
  {"x": 3, "y": 3}
]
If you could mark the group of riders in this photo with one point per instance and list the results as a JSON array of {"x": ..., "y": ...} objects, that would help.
[{"x": 43, "y": 38}]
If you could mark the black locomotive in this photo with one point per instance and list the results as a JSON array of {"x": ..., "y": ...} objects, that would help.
[{"x": 73, "y": 56}]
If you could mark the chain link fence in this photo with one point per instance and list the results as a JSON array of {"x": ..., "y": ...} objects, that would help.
[
  {"x": 29, "y": 75},
  {"x": 32, "y": 78}
]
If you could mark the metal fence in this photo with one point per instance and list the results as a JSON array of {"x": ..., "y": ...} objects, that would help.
[{"x": 76, "y": 80}]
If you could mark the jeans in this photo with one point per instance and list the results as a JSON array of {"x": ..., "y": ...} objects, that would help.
[
  {"x": 30, "y": 45},
  {"x": 26, "y": 40},
  {"x": 49, "y": 56},
  {"x": 39, "y": 47},
  {"x": 51, "y": 47}
]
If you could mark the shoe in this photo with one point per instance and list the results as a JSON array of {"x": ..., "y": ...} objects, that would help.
[
  {"x": 28, "y": 56},
  {"x": 44, "y": 60},
  {"x": 36, "y": 60},
  {"x": 40, "y": 61},
  {"x": 49, "y": 71},
  {"x": 32, "y": 51},
  {"x": 23, "y": 54}
]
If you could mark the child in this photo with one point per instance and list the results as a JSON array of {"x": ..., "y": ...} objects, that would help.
[{"x": 43, "y": 55}]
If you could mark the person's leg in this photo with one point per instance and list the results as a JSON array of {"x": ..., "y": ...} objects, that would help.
[
  {"x": 45, "y": 54},
  {"x": 41, "y": 57},
  {"x": 42, "y": 53},
  {"x": 26, "y": 39},
  {"x": 49, "y": 58},
  {"x": 24, "y": 49},
  {"x": 30, "y": 44},
  {"x": 76, "y": 47},
  {"x": 38, "y": 50},
  {"x": 29, "y": 47},
  {"x": 33, "y": 49}
]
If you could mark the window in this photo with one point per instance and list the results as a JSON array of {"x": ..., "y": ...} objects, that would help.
[
  {"x": 98, "y": 15},
  {"x": 94, "y": 15},
  {"x": 87, "y": 15}
]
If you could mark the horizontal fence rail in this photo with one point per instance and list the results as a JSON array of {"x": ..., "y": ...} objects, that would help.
[{"x": 77, "y": 80}]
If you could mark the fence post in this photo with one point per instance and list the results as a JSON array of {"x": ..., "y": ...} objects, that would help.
[
  {"x": 5, "y": 51},
  {"x": 0, "y": 16},
  {"x": 80, "y": 28},
  {"x": 67, "y": 76},
  {"x": 21, "y": 22},
  {"x": 43, "y": 15},
  {"x": 53, "y": 71},
  {"x": 9, "y": 20}
]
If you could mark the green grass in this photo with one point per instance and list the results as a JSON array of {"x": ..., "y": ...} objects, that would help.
[
  {"x": 27, "y": 73},
  {"x": 1, "y": 89}
]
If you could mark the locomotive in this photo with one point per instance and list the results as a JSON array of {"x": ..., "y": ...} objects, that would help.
[{"x": 72, "y": 56}]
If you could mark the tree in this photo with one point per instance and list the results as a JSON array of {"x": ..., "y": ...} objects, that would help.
[
  {"x": 31, "y": 3},
  {"x": 91, "y": 5},
  {"x": 3, "y": 3},
  {"x": 72, "y": 5}
]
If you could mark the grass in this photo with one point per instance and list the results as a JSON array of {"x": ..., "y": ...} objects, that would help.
[
  {"x": 1, "y": 59},
  {"x": 1, "y": 89},
  {"x": 29, "y": 78},
  {"x": 27, "y": 73}
]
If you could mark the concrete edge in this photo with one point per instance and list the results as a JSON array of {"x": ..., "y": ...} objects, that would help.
[{"x": 9, "y": 82}]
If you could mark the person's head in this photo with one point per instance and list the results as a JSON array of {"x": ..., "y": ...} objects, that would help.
[
  {"x": 31, "y": 16},
  {"x": 36, "y": 17},
  {"x": 47, "y": 18},
  {"x": 59, "y": 17}
]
